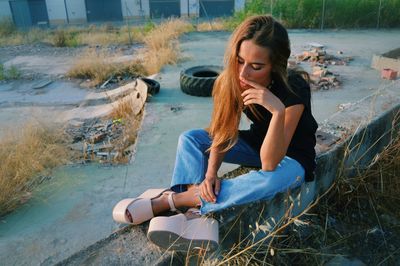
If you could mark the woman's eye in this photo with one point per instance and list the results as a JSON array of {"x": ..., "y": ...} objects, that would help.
[
  {"x": 255, "y": 67},
  {"x": 240, "y": 61}
]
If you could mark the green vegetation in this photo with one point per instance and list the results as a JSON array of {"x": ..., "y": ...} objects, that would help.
[
  {"x": 10, "y": 73},
  {"x": 64, "y": 38},
  {"x": 7, "y": 27},
  {"x": 337, "y": 13}
]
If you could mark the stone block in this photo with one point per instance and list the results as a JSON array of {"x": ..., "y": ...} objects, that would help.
[{"x": 388, "y": 73}]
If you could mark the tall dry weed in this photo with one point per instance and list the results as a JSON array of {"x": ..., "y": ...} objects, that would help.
[
  {"x": 154, "y": 60},
  {"x": 167, "y": 31},
  {"x": 125, "y": 107},
  {"x": 162, "y": 46},
  {"x": 127, "y": 113},
  {"x": 92, "y": 64},
  {"x": 128, "y": 139},
  {"x": 26, "y": 153}
]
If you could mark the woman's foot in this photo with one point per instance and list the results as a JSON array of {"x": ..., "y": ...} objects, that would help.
[
  {"x": 187, "y": 199},
  {"x": 161, "y": 204},
  {"x": 169, "y": 200}
]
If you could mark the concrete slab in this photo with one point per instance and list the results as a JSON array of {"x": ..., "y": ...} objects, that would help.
[
  {"x": 73, "y": 210},
  {"x": 390, "y": 59},
  {"x": 27, "y": 93},
  {"x": 133, "y": 93},
  {"x": 42, "y": 64}
]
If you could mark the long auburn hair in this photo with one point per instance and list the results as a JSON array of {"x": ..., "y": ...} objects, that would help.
[{"x": 266, "y": 32}]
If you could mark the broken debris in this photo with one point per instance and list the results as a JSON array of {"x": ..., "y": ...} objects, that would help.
[
  {"x": 319, "y": 55},
  {"x": 323, "y": 79},
  {"x": 94, "y": 138}
]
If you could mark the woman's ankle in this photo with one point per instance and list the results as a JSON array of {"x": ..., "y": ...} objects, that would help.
[
  {"x": 187, "y": 199},
  {"x": 160, "y": 204}
]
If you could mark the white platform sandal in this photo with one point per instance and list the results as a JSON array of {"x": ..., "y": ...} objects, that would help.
[
  {"x": 182, "y": 232},
  {"x": 138, "y": 210}
]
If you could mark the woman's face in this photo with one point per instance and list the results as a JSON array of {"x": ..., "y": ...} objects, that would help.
[{"x": 254, "y": 64}]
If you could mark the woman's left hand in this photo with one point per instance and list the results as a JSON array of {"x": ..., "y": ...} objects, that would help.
[{"x": 258, "y": 94}]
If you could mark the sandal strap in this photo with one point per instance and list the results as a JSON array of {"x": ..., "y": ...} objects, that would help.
[{"x": 171, "y": 202}]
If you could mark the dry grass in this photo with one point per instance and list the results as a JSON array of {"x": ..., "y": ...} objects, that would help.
[
  {"x": 125, "y": 35},
  {"x": 128, "y": 112},
  {"x": 154, "y": 60},
  {"x": 128, "y": 139},
  {"x": 162, "y": 46},
  {"x": 11, "y": 40},
  {"x": 34, "y": 35},
  {"x": 93, "y": 65},
  {"x": 93, "y": 35},
  {"x": 27, "y": 153},
  {"x": 214, "y": 25},
  {"x": 98, "y": 67},
  {"x": 124, "y": 108},
  {"x": 168, "y": 31}
]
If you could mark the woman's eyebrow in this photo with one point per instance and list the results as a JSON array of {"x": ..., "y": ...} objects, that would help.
[{"x": 252, "y": 63}]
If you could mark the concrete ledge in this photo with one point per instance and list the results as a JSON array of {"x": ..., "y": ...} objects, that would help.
[
  {"x": 98, "y": 98},
  {"x": 98, "y": 105},
  {"x": 387, "y": 60},
  {"x": 124, "y": 247},
  {"x": 351, "y": 140}
]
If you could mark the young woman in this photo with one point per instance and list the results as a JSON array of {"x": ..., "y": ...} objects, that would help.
[{"x": 280, "y": 141}]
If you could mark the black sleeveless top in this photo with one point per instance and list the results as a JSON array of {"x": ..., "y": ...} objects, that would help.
[{"x": 301, "y": 147}]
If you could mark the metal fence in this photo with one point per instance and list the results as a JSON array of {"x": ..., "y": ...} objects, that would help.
[
  {"x": 335, "y": 13},
  {"x": 316, "y": 14}
]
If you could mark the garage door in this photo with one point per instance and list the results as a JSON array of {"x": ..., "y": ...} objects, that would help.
[
  {"x": 29, "y": 13},
  {"x": 165, "y": 8},
  {"x": 216, "y": 8},
  {"x": 103, "y": 10},
  {"x": 38, "y": 12}
]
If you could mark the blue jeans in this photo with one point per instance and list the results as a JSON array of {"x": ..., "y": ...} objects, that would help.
[{"x": 191, "y": 165}]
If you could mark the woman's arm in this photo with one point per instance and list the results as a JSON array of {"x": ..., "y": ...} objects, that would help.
[
  {"x": 210, "y": 187},
  {"x": 282, "y": 125},
  {"x": 280, "y": 132}
]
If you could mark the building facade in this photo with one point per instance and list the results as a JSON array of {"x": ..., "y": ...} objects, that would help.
[{"x": 27, "y": 13}]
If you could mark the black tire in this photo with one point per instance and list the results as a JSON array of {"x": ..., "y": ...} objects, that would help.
[
  {"x": 199, "y": 80},
  {"x": 153, "y": 87}
]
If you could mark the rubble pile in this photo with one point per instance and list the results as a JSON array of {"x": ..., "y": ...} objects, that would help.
[
  {"x": 323, "y": 79},
  {"x": 319, "y": 55},
  {"x": 95, "y": 138}
]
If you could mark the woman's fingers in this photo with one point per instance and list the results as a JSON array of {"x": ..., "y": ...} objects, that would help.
[
  {"x": 206, "y": 191},
  {"x": 252, "y": 96},
  {"x": 217, "y": 187},
  {"x": 251, "y": 83},
  {"x": 210, "y": 191}
]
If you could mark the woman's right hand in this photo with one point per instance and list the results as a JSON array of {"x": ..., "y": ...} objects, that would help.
[{"x": 209, "y": 188}]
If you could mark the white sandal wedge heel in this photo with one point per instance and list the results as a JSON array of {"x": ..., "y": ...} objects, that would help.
[
  {"x": 140, "y": 209},
  {"x": 181, "y": 233}
]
